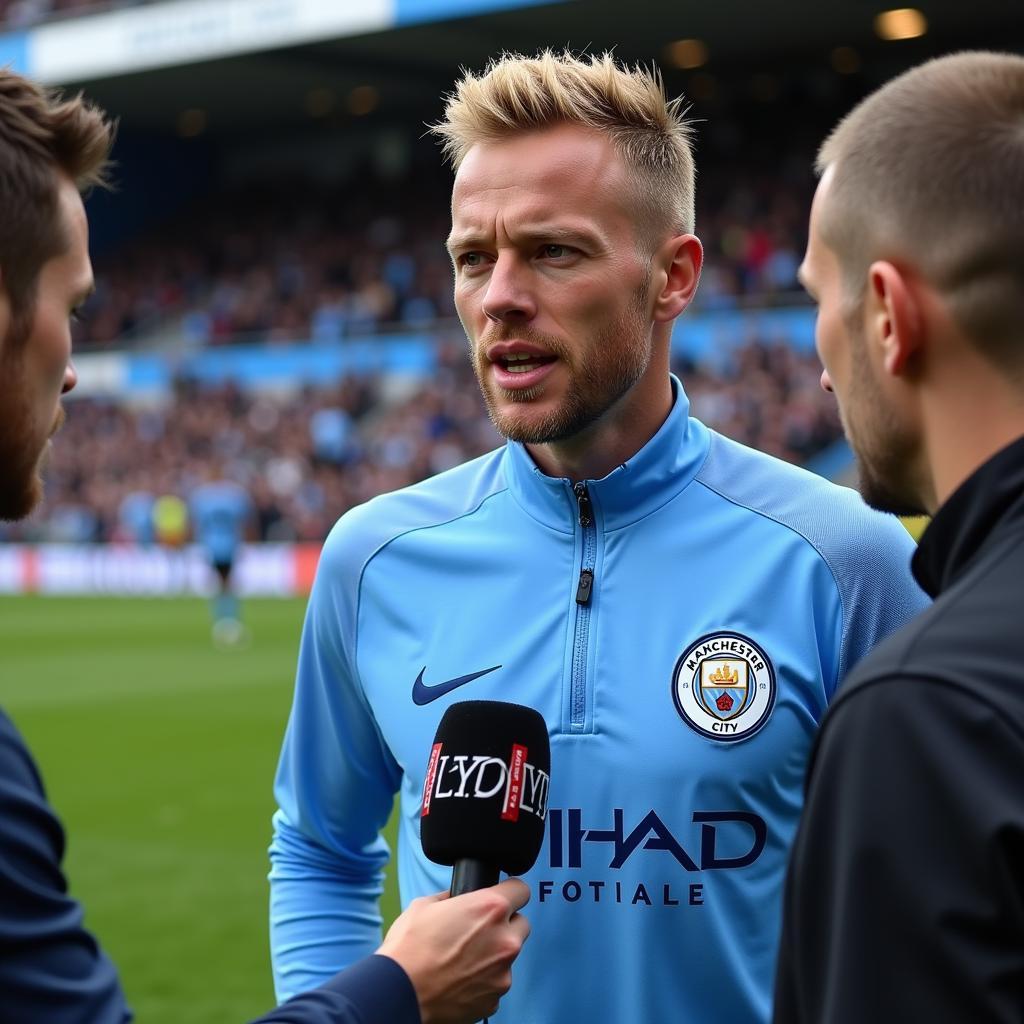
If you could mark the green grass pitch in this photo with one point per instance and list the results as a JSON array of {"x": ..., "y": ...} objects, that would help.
[{"x": 158, "y": 752}]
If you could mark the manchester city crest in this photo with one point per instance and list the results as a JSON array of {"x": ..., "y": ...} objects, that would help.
[{"x": 724, "y": 686}]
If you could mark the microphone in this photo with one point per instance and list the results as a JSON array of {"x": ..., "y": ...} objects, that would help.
[{"x": 485, "y": 796}]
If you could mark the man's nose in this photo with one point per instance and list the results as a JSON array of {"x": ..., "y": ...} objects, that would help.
[
  {"x": 70, "y": 378},
  {"x": 509, "y": 294}
]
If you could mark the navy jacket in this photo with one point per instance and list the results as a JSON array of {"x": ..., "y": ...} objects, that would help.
[
  {"x": 905, "y": 895},
  {"x": 52, "y": 970}
]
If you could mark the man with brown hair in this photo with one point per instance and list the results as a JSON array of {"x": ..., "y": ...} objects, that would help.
[
  {"x": 905, "y": 897},
  {"x": 50, "y": 149},
  {"x": 444, "y": 961},
  {"x": 679, "y": 608}
]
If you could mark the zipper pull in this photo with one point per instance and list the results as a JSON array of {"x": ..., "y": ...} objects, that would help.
[
  {"x": 583, "y": 500},
  {"x": 586, "y": 584}
]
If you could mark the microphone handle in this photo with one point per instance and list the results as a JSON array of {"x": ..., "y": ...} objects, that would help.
[{"x": 468, "y": 875}]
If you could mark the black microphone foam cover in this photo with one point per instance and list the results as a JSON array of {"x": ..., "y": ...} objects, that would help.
[{"x": 486, "y": 790}]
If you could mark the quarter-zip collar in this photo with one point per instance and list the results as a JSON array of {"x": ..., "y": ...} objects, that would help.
[
  {"x": 643, "y": 483},
  {"x": 992, "y": 496}
]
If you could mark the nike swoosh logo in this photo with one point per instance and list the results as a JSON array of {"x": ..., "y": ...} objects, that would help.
[{"x": 423, "y": 694}]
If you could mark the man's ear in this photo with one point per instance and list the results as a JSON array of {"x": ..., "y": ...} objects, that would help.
[
  {"x": 893, "y": 316},
  {"x": 679, "y": 260}
]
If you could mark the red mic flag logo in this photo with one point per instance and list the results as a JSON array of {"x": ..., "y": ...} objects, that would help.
[
  {"x": 514, "y": 791},
  {"x": 428, "y": 784}
]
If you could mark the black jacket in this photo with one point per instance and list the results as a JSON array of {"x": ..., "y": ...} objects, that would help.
[
  {"x": 53, "y": 972},
  {"x": 905, "y": 895}
]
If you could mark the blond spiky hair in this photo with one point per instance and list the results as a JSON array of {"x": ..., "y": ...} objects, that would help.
[{"x": 517, "y": 94}]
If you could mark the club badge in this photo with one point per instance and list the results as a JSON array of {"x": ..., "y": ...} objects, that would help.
[{"x": 724, "y": 686}]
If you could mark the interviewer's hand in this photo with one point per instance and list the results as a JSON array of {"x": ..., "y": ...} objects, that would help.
[{"x": 458, "y": 951}]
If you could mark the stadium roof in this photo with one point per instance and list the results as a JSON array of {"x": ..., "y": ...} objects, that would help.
[{"x": 404, "y": 69}]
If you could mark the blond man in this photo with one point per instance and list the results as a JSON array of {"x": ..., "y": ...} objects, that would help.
[
  {"x": 679, "y": 608},
  {"x": 905, "y": 899}
]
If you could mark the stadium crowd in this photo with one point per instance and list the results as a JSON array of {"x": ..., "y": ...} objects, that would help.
[
  {"x": 308, "y": 458},
  {"x": 296, "y": 261},
  {"x": 291, "y": 260}
]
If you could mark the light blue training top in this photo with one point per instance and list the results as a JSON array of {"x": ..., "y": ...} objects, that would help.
[{"x": 681, "y": 626}]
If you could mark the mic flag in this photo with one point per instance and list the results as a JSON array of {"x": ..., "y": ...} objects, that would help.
[{"x": 486, "y": 792}]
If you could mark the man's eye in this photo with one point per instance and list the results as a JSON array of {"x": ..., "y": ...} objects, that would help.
[
  {"x": 471, "y": 259},
  {"x": 556, "y": 252}
]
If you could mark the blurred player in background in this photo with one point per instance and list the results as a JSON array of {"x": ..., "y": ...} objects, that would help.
[
  {"x": 905, "y": 898},
  {"x": 678, "y": 607},
  {"x": 135, "y": 518},
  {"x": 445, "y": 961},
  {"x": 222, "y": 516}
]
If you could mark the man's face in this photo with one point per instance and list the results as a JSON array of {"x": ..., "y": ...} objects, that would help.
[
  {"x": 549, "y": 283},
  {"x": 35, "y": 366},
  {"x": 879, "y": 432}
]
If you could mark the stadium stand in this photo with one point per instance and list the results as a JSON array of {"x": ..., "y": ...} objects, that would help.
[
  {"x": 308, "y": 458},
  {"x": 295, "y": 261},
  {"x": 259, "y": 205},
  {"x": 288, "y": 261}
]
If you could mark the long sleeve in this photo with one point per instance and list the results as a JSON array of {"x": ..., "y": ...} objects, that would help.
[
  {"x": 335, "y": 789},
  {"x": 374, "y": 990},
  {"x": 52, "y": 971}
]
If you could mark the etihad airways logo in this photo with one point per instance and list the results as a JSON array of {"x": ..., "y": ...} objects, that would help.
[
  {"x": 728, "y": 840},
  {"x": 567, "y": 836}
]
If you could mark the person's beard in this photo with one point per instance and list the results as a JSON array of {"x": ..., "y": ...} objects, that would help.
[
  {"x": 21, "y": 455},
  {"x": 610, "y": 367},
  {"x": 881, "y": 443}
]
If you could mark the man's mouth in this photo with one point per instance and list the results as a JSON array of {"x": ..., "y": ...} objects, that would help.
[{"x": 523, "y": 362}]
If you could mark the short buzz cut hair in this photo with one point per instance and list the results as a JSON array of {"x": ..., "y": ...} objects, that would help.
[
  {"x": 930, "y": 170},
  {"x": 516, "y": 94},
  {"x": 42, "y": 135}
]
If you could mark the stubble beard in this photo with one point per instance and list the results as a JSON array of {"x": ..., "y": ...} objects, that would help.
[
  {"x": 878, "y": 492},
  {"x": 21, "y": 455},
  {"x": 883, "y": 448},
  {"x": 618, "y": 359}
]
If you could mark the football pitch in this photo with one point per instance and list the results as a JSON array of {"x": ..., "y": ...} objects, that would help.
[{"x": 158, "y": 752}]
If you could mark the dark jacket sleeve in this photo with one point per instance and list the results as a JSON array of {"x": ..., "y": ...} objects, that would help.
[
  {"x": 374, "y": 990},
  {"x": 905, "y": 895},
  {"x": 51, "y": 969}
]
